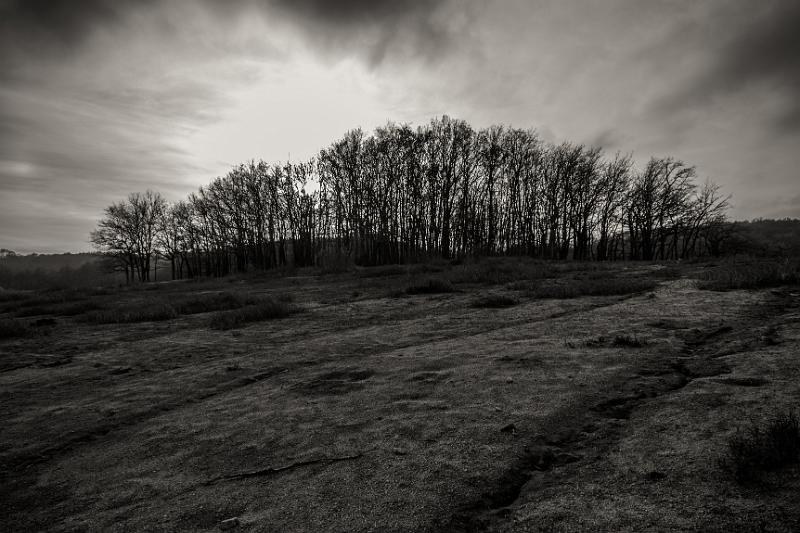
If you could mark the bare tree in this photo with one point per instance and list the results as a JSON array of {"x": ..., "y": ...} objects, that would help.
[{"x": 128, "y": 232}]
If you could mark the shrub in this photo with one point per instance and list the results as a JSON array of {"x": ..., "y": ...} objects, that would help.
[
  {"x": 751, "y": 275},
  {"x": 629, "y": 341},
  {"x": 558, "y": 291},
  {"x": 265, "y": 309},
  {"x": 770, "y": 447},
  {"x": 77, "y": 308},
  {"x": 495, "y": 301},
  {"x": 34, "y": 311},
  {"x": 64, "y": 309},
  {"x": 382, "y": 271},
  {"x": 12, "y": 296},
  {"x": 205, "y": 303},
  {"x": 522, "y": 285},
  {"x": 10, "y": 328},
  {"x": 497, "y": 271},
  {"x": 148, "y": 312},
  {"x": 432, "y": 286},
  {"x": 593, "y": 287},
  {"x": 595, "y": 343}
]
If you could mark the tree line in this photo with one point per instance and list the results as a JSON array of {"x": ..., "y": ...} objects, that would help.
[{"x": 405, "y": 194}]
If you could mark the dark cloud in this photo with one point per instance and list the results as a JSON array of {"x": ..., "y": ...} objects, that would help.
[
  {"x": 761, "y": 52},
  {"x": 373, "y": 29},
  {"x": 62, "y": 21},
  {"x": 767, "y": 49},
  {"x": 351, "y": 12},
  {"x": 37, "y": 33},
  {"x": 47, "y": 27}
]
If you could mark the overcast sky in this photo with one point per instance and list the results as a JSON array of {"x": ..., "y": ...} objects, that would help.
[{"x": 100, "y": 98}]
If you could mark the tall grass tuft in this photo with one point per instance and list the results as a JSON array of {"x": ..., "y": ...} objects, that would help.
[
  {"x": 218, "y": 301},
  {"x": 762, "y": 448},
  {"x": 495, "y": 301},
  {"x": 265, "y": 308},
  {"x": 147, "y": 312},
  {"x": 577, "y": 288},
  {"x": 432, "y": 286}
]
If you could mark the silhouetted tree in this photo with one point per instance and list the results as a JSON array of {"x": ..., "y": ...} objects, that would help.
[{"x": 404, "y": 194}]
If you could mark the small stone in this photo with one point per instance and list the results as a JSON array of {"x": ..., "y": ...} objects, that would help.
[
  {"x": 510, "y": 428},
  {"x": 509, "y": 380},
  {"x": 228, "y": 524}
]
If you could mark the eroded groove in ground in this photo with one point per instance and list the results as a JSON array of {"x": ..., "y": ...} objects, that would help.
[
  {"x": 71, "y": 442},
  {"x": 671, "y": 373}
]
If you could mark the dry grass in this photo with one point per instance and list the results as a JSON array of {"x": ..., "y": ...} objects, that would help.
[
  {"x": 494, "y": 301},
  {"x": 266, "y": 308},
  {"x": 218, "y": 301},
  {"x": 11, "y": 328},
  {"x": 13, "y": 296},
  {"x": 146, "y": 312},
  {"x": 629, "y": 341},
  {"x": 382, "y": 271},
  {"x": 161, "y": 307},
  {"x": 496, "y": 271},
  {"x": 751, "y": 275},
  {"x": 577, "y": 288},
  {"x": 59, "y": 309},
  {"x": 762, "y": 448},
  {"x": 431, "y": 286}
]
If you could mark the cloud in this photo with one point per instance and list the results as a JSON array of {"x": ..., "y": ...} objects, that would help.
[
  {"x": 46, "y": 30},
  {"x": 99, "y": 98},
  {"x": 757, "y": 53},
  {"x": 375, "y": 30},
  {"x": 63, "y": 21}
]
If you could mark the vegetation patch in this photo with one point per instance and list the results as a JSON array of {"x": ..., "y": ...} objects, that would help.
[
  {"x": 11, "y": 328},
  {"x": 382, "y": 271},
  {"x": 593, "y": 287},
  {"x": 218, "y": 301},
  {"x": 432, "y": 286},
  {"x": 497, "y": 271},
  {"x": 751, "y": 275},
  {"x": 60, "y": 309},
  {"x": 596, "y": 342},
  {"x": 12, "y": 296},
  {"x": 629, "y": 341},
  {"x": 159, "y": 308},
  {"x": 743, "y": 381},
  {"x": 148, "y": 312},
  {"x": 266, "y": 308},
  {"x": 495, "y": 301},
  {"x": 760, "y": 448}
]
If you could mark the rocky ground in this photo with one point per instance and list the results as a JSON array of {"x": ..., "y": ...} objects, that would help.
[{"x": 372, "y": 408}]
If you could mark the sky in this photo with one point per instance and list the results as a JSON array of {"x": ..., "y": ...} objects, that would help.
[{"x": 101, "y": 98}]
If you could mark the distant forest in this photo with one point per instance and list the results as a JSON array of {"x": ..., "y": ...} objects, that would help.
[
  {"x": 404, "y": 194},
  {"x": 55, "y": 271}
]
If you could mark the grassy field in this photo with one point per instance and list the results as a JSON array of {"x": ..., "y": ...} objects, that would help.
[{"x": 504, "y": 395}]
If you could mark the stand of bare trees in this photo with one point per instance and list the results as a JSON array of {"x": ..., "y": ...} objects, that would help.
[{"x": 403, "y": 194}]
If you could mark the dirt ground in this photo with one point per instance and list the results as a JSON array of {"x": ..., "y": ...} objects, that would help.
[{"x": 374, "y": 410}]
